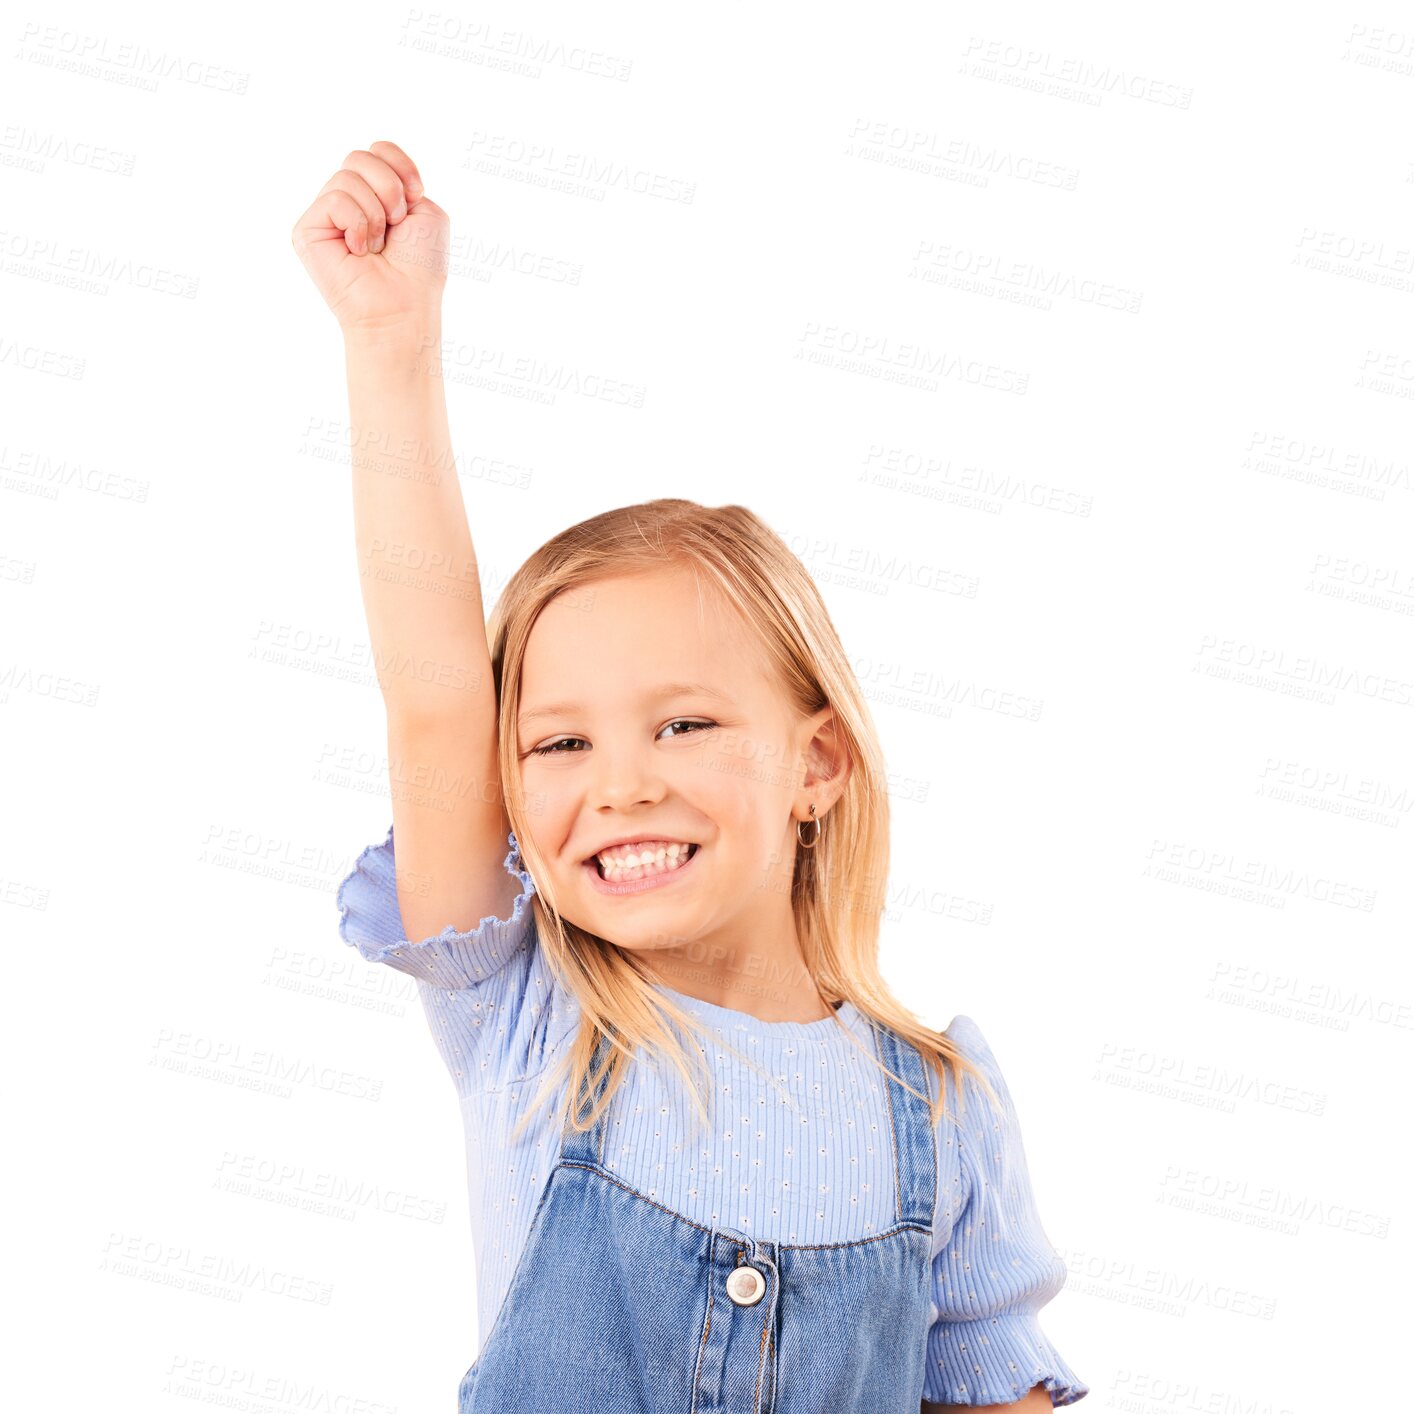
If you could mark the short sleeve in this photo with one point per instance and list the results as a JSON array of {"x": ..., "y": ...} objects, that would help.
[
  {"x": 996, "y": 1269},
  {"x": 371, "y": 921},
  {"x": 497, "y": 1009}
]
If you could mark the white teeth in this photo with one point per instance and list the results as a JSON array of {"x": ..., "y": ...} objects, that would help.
[{"x": 663, "y": 858}]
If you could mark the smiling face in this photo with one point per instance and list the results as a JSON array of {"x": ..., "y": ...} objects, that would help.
[{"x": 646, "y": 715}]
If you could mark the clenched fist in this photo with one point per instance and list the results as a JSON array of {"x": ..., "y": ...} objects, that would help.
[{"x": 375, "y": 246}]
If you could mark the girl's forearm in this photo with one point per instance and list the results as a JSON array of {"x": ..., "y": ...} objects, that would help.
[{"x": 417, "y": 564}]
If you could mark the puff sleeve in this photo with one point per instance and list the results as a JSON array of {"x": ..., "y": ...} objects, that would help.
[
  {"x": 497, "y": 1010},
  {"x": 371, "y": 921},
  {"x": 996, "y": 1269}
]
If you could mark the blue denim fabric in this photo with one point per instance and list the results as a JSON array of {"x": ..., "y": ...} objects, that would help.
[{"x": 622, "y": 1306}]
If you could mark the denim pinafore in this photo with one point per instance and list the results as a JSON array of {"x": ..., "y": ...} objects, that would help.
[{"x": 621, "y": 1306}]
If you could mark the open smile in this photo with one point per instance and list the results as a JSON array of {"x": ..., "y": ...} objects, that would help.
[{"x": 637, "y": 881}]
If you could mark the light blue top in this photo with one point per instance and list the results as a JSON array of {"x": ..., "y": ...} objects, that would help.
[{"x": 798, "y": 1155}]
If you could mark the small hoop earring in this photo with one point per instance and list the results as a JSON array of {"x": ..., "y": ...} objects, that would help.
[{"x": 800, "y": 834}]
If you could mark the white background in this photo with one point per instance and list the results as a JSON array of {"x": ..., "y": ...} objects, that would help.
[{"x": 1072, "y": 353}]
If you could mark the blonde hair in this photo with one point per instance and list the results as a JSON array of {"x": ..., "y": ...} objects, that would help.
[{"x": 838, "y": 887}]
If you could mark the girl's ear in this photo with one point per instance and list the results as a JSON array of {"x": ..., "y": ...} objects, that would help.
[{"x": 828, "y": 762}]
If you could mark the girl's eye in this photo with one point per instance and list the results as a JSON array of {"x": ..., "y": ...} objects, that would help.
[
  {"x": 553, "y": 748},
  {"x": 687, "y": 722}
]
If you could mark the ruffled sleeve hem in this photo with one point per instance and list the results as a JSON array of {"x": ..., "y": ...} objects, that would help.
[
  {"x": 997, "y": 1360},
  {"x": 371, "y": 921}
]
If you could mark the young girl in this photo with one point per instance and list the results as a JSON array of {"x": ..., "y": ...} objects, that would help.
[{"x": 714, "y": 1164}]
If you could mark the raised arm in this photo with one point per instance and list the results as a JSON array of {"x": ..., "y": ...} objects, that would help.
[{"x": 376, "y": 247}]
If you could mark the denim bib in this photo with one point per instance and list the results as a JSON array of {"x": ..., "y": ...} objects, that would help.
[{"x": 622, "y": 1306}]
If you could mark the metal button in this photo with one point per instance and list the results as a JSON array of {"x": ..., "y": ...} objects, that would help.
[{"x": 746, "y": 1286}]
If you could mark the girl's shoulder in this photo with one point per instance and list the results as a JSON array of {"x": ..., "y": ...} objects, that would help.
[
  {"x": 968, "y": 1039},
  {"x": 982, "y": 1115}
]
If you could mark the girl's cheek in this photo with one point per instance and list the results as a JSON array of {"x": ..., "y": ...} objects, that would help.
[{"x": 725, "y": 758}]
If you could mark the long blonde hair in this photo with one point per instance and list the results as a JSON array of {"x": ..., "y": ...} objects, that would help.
[{"x": 838, "y": 887}]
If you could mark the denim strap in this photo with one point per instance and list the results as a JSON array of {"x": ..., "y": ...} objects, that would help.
[
  {"x": 586, "y": 1146},
  {"x": 915, "y": 1146}
]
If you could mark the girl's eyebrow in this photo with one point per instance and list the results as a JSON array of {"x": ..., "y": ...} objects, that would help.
[{"x": 657, "y": 694}]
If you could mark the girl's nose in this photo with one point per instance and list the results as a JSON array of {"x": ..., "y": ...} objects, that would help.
[{"x": 624, "y": 779}]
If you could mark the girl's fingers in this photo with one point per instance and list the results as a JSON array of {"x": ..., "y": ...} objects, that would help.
[
  {"x": 356, "y": 187},
  {"x": 369, "y": 193},
  {"x": 403, "y": 166},
  {"x": 332, "y": 215},
  {"x": 347, "y": 214},
  {"x": 383, "y": 179}
]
